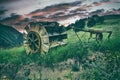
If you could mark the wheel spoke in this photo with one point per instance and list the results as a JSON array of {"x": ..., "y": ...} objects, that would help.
[
  {"x": 29, "y": 38},
  {"x": 36, "y": 46},
  {"x": 35, "y": 39},
  {"x": 33, "y": 48},
  {"x": 32, "y": 37}
]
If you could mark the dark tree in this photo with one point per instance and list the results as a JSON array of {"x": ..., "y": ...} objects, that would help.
[
  {"x": 91, "y": 22},
  {"x": 95, "y": 19},
  {"x": 79, "y": 25},
  {"x": 69, "y": 26},
  {"x": 98, "y": 19}
]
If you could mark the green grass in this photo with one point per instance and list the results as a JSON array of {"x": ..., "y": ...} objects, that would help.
[
  {"x": 11, "y": 55},
  {"x": 74, "y": 48}
]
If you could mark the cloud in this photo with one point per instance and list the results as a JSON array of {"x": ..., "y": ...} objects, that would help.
[
  {"x": 97, "y": 3},
  {"x": 54, "y": 8},
  {"x": 50, "y": 13},
  {"x": 39, "y": 17},
  {"x": 15, "y": 19},
  {"x": 97, "y": 12},
  {"x": 2, "y": 1},
  {"x": 112, "y": 12},
  {"x": 105, "y": 0},
  {"x": 55, "y": 12},
  {"x": 59, "y": 13},
  {"x": 80, "y": 10}
]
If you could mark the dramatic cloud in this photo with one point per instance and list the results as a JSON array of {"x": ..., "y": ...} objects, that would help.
[
  {"x": 22, "y": 7},
  {"x": 98, "y": 12},
  {"x": 54, "y": 8},
  {"x": 2, "y": 1},
  {"x": 105, "y": 0},
  {"x": 18, "y": 13}
]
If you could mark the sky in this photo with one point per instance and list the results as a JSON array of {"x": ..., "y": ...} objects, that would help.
[{"x": 19, "y": 12}]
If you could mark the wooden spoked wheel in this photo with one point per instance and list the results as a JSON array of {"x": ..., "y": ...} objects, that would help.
[{"x": 37, "y": 39}]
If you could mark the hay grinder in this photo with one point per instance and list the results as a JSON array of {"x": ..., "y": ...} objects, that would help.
[{"x": 42, "y": 36}]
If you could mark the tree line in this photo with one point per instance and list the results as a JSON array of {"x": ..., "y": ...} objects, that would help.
[{"x": 89, "y": 22}]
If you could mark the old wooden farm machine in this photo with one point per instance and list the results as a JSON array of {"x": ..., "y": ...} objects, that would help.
[
  {"x": 42, "y": 36},
  {"x": 97, "y": 32}
]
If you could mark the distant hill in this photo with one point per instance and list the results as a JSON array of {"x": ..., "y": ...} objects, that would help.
[
  {"x": 9, "y": 37},
  {"x": 111, "y": 17}
]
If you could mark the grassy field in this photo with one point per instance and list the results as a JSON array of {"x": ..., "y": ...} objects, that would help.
[
  {"x": 106, "y": 67},
  {"x": 74, "y": 49}
]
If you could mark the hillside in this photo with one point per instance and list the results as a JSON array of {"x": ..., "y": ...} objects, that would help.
[{"x": 9, "y": 37}]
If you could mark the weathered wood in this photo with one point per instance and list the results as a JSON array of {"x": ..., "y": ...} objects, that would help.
[
  {"x": 58, "y": 37},
  {"x": 41, "y": 36},
  {"x": 97, "y": 32}
]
